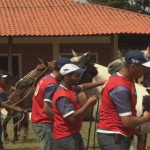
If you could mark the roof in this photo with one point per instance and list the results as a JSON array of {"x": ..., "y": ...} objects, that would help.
[{"x": 67, "y": 18}]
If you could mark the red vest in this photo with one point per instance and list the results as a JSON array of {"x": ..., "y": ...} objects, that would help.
[
  {"x": 1, "y": 89},
  {"x": 62, "y": 127},
  {"x": 109, "y": 118},
  {"x": 38, "y": 116}
]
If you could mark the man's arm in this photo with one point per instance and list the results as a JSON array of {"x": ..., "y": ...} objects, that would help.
[
  {"x": 15, "y": 108},
  {"x": 132, "y": 121},
  {"x": 47, "y": 108},
  {"x": 121, "y": 97},
  {"x": 87, "y": 86},
  {"x": 48, "y": 97},
  {"x": 66, "y": 108}
]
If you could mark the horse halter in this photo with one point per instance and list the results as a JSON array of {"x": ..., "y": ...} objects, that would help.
[{"x": 35, "y": 79}]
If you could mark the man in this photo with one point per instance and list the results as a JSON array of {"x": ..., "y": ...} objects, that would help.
[
  {"x": 68, "y": 112},
  {"x": 42, "y": 114},
  {"x": 3, "y": 99},
  {"x": 118, "y": 119}
]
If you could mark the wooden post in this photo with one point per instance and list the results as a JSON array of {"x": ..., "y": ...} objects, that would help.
[{"x": 10, "y": 70}]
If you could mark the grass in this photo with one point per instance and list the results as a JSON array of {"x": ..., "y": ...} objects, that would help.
[{"x": 32, "y": 142}]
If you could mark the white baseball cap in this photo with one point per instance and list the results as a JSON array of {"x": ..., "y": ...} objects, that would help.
[
  {"x": 68, "y": 68},
  {"x": 3, "y": 75}
]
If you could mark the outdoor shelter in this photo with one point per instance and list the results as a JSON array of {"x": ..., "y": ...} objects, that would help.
[{"x": 50, "y": 28}]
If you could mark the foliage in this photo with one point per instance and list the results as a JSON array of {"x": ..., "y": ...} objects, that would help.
[{"x": 140, "y": 6}]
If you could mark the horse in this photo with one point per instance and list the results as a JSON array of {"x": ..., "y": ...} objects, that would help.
[
  {"x": 22, "y": 96},
  {"x": 93, "y": 73},
  {"x": 105, "y": 75}
]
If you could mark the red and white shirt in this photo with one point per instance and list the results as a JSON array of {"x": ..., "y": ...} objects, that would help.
[
  {"x": 110, "y": 121},
  {"x": 63, "y": 127},
  {"x": 44, "y": 92}
]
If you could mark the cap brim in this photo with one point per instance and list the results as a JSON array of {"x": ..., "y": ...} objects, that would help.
[
  {"x": 147, "y": 64},
  {"x": 79, "y": 71}
]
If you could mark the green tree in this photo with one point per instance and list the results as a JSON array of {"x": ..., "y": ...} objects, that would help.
[{"x": 141, "y": 6}]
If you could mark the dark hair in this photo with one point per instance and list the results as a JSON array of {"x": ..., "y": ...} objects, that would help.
[{"x": 57, "y": 67}]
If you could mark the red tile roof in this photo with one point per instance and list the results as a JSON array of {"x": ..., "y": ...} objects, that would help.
[{"x": 66, "y": 18}]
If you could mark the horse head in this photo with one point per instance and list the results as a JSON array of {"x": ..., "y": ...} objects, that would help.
[
  {"x": 85, "y": 61},
  {"x": 32, "y": 77},
  {"x": 22, "y": 95}
]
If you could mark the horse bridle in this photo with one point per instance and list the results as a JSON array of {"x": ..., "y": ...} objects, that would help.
[
  {"x": 35, "y": 79},
  {"x": 30, "y": 73}
]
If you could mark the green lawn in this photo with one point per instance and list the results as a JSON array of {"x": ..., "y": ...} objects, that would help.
[{"x": 32, "y": 142}]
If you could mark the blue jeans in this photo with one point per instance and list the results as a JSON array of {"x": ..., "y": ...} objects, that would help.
[
  {"x": 73, "y": 142},
  {"x": 44, "y": 132},
  {"x": 1, "y": 130},
  {"x": 112, "y": 142}
]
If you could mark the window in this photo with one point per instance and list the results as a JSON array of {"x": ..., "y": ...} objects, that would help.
[{"x": 16, "y": 61}]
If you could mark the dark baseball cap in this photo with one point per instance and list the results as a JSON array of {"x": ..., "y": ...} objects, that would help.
[
  {"x": 62, "y": 61},
  {"x": 136, "y": 57}
]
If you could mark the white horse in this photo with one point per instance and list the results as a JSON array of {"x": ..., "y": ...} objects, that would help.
[{"x": 104, "y": 75}]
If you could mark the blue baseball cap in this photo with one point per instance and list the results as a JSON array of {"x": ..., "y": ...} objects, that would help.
[
  {"x": 137, "y": 57},
  {"x": 62, "y": 61}
]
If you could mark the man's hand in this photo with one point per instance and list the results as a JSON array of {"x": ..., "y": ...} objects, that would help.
[
  {"x": 146, "y": 115},
  {"x": 92, "y": 100},
  {"x": 20, "y": 110}
]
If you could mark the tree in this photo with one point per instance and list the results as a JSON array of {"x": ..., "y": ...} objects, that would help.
[{"x": 141, "y": 6}]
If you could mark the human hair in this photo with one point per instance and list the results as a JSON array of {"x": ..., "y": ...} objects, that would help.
[{"x": 57, "y": 67}]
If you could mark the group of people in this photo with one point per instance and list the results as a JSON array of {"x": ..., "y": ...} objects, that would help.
[
  {"x": 56, "y": 110},
  {"x": 57, "y": 113}
]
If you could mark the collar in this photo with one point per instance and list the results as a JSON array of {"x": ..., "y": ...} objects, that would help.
[
  {"x": 63, "y": 87},
  {"x": 119, "y": 74},
  {"x": 52, "y": 75}
]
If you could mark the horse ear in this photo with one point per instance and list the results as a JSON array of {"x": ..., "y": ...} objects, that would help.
[
  {"x": 74, "y": 53},
  {"x": 85, "y": 54},
  {"x": 42, "y": 61},
  {"x": 119, "y": 53},
  {"x": 147, "y": 52},
  {"x": 76, "y": 59},
  {"x": 148, "y": 49}
]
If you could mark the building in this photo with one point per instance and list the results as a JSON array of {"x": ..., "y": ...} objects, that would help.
[{"x": 51, "y": 28}]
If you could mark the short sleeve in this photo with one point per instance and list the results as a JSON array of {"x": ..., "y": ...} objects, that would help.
[
  {"x": 49, "y": 92},
  {"x": 121, "y": 97},
  {"x": 65, "y": 106}
]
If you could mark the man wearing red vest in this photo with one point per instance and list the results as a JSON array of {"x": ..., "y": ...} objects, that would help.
[
  {"x": 68, "y": 112},
  {"x": 3, "y": 99},
  {"x": 118, "y": 119},
  {"x": 42, "y": 114}
]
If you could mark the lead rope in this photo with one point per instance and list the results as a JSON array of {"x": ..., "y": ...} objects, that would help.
[
  {"x": 35, "y": 79},
  {"x": 90, "y": 126},
  {"x": 27, "y": 92},
  {"x": 89, "y": 133}
]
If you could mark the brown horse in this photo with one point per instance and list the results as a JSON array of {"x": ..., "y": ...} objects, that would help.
[{"x": 22, "y": 96}]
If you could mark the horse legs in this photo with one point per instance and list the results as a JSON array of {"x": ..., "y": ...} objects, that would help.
[
  {"x": 25, "y": 127},
  {"x": 5, "y": 122},
  {"x": 15, "y": 120}
]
